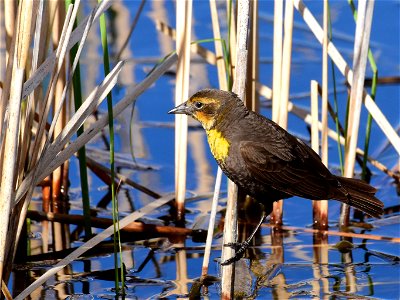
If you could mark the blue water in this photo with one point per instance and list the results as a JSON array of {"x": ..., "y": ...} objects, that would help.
[{"x": 296, "y": 273}]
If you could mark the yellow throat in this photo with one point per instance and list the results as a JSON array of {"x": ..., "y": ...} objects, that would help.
[{"x": 218, "y": 144}]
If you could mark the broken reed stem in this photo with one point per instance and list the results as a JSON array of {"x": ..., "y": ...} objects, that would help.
[
  {"x": 183, "y": 36},
  {"x": 341, "y": 64},
  {"x": 92, "y": 243},
  {"x": 316, "y": 204},
  {"x": 361, "y": 46},
  {"x": 105, "y": 222}
]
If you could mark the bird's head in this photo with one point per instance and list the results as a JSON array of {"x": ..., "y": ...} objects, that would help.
[{"x": 206, "y": 106}]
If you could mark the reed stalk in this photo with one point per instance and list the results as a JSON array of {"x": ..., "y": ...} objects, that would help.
[
  {"x": 230, "y": 228},
  {"x": 115, "y": 211},
  {"x": 277, "y": 211},
  {"x": 277, "y": 62},
  {"x": 77, "y": 91},
  {"x": 183, "y": 36},
  {"x": 10, "y": 13},
  {"x": 8, "y": 179},
  {"x": 323, "y": 205},
  {"x": 223, "y": 84},
  {"x": 92, "y": 243},
  {"x": 57, "y": 9},
  {"x": 316, "y": 204},
  {"x": 361, "y": 46},
  {"x": 341, "y": 64},
  {"x": 252, "y": 96},
  {"x": 373, "y": 93}
]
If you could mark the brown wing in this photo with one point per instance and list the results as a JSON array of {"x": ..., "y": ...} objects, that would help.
[{"x": 289, "y": 166}]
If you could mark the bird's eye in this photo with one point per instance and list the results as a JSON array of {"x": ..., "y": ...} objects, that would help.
[{"x": 198, "y": 105}]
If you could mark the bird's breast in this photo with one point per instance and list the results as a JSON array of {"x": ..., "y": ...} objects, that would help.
[{"x": 219, "y": 145}]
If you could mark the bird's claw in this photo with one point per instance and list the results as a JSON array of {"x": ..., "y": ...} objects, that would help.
[{"x": 240, "y": 248}]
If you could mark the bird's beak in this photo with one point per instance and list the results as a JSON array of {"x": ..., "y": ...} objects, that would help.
[{"x": 181, "y": 109}]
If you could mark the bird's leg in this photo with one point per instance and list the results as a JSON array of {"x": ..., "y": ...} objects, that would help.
[{"x": 241, "y": 247}]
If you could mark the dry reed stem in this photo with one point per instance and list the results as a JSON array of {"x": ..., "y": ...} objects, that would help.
[
  {"x": 252, "y": 96},
  {"x": 5, "y": 291},
  {"x": 230, "y": 228},
  {"x": 222, "y": 79},
  {"x": 277, "y": 211},
  {"x": 28, "y": 116},
  {"x": 99, "y": 169},
  {"x": 8, "y": 178},
  {"x": 206, "y": 54},
  {"x": 219, "y": 53},
  {"x": 10, "y": 11},
  {"x": 93, "y": 242},
  {"x": 341, "y": 64},
  {"x": 232, "y": 38},
  {"x": 361, "y": 46},
  {"x": 316, "y": 204},
  {"x": 47, "y": 66},
  {"x": 43, "y": 113},
  {"x": 58, "y": 15},
  {"x": 286, "y": 64},
  {"x": 323, "y": 204},
  {"x": 277, "y": 61},
  {"x": 105, "y": 222},
  {"x": 16, "y": 228},
  {"x": 53, "y": 158},
  {"x": 183, "y": 36}
]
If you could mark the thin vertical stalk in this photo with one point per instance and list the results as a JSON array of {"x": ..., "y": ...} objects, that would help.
[
  {"x": 336, "y": 107},
  {"x": 231, "y": 39},
  {"x": 373, "y": 94},
  {"x": 323, "y": 206},
  {"x": 252, "y": 95},
  {"x": 341, "y": 64},
  {"x": 361, "y": 43},
  {"x": 58, "y": 15},
  {"x": 316, "y": 204},
  {"x": 277, "y": 61},
  {"x": 117, "y": 238},
  {"x": 8, "y": 178},
  {"x": 230, "y": 227},
  {"x": 286, "y": 64},
  {"x": 10, "y": 11},
  {"x": 223, "y": 84},
  {"x": 77, "y": 90},
  {"x": 183, "y": 36},
  {"x": 219, "y": 52},
  {"x": 277, "y": 212}
]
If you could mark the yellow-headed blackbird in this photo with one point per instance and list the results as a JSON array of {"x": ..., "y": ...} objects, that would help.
[{"x": 265, "y": 160}]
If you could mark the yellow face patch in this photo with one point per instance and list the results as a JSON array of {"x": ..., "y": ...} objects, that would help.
[{"x": 218, "y": 144}]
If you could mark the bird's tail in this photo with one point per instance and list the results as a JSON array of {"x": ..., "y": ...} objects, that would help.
[{"x": 360, "y": 195}]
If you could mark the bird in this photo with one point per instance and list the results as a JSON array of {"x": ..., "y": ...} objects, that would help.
[{"x": 266, "y": 161}]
